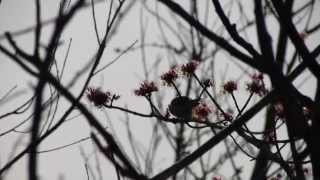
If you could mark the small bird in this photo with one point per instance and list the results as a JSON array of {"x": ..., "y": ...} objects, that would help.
[{"x": 181, "y": 107}]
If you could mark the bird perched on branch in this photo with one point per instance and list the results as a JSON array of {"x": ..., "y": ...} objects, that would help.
[{"x": 181, "y": 107}]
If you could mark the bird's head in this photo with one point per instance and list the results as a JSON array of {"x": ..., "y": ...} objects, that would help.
[{"x": 181, "y": 106}]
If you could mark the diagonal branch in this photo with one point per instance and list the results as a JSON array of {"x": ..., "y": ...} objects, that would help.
[
  {"x": 286, "y": 23},
  {"x": 212, "y": 36},
  {"x": 231, "y": 28}
]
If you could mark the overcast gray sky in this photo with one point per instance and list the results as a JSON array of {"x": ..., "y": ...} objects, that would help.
[{"x": 121, "y": 77}]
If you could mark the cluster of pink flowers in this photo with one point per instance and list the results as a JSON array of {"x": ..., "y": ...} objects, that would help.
[
  {"x": 146, "y": 88},
  {"x": 257, "y": 86},
  {"x": 189, "y": 68},
  {"x": 100, "y": 98},
  {"x": 186, "y": 69},
  {"x": 169, "y": 77},
  {"x": 201, "y": 111},
  {"x": 230, "y": 86}
]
